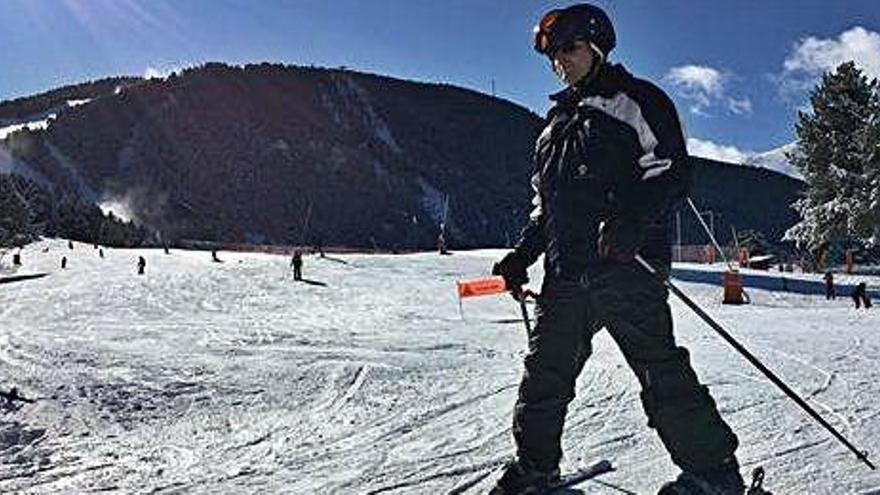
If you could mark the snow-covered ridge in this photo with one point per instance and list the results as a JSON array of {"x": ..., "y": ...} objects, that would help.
[{"x": 776, "y": 160}]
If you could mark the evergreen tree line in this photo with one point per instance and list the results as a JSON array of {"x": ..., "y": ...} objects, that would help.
[
  {"x": 28, "y": 211},
  {"x": 28, "y": 106},
  {"x": 838, "y": 153}
]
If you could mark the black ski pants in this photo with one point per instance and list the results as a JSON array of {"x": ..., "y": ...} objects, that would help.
[{"x": 633, "y": 307}]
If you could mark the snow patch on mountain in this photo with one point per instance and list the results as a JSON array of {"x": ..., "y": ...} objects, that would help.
[
  {"x": 776, "y": 159},
  {"x": 31, "y": 125},
  {"x": 37, "y": 121},
  {"x": 76, "y": 103}
]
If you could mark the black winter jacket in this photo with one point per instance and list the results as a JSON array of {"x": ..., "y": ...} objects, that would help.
[{"x": 612, "y": 149}]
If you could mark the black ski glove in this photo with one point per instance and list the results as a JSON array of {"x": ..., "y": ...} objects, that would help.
[
  {"x": 513, "y": 267},
  {"x": 620, "y": 239}
]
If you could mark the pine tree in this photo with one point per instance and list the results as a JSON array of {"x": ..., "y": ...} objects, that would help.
[
  {"x": 18, "y": 225},
  {"x": 838, "y": 152}
]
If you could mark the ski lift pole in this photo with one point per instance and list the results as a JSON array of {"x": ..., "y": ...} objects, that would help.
[
  {"x": 860, "y": 454},
  {"x": 709, "y": 231}
]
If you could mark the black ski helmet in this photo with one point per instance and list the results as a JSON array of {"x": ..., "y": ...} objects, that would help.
[{"x": 581, "y": 22}]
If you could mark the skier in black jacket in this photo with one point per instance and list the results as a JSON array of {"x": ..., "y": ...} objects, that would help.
[
  {"x": 609, "y": 166},
  {"x": 297, "y": 262}
]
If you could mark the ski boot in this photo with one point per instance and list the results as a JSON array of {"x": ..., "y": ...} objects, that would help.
[
  {"x": 724, "y": 480},
  {"x": 522, "y": 480}
]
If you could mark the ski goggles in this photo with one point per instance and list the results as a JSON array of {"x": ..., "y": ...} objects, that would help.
[{"x": 554, "y": 32}]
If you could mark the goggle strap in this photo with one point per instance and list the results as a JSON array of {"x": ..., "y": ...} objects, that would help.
[{"x": 597, "y": 50}]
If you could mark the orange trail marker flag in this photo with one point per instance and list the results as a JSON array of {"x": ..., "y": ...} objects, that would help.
[{"x": 481, "y": 287}]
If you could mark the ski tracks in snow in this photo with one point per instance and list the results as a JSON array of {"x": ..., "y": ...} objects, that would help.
[{"x": 221, "y": 378}]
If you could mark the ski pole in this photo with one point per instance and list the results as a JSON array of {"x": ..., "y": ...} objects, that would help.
[
  {"x": 525, "y": 313},
  {"x": 861, "y": 455}
]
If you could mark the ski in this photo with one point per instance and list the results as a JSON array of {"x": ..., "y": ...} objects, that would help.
[{"x": 582, "y": 474}]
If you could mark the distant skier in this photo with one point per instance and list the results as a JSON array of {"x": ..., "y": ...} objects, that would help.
[
  {"x": 609, "y": 165},
  {"x": 860, "y": 295},
  {"x": 166, "y": 249},
  {"x": 142, "y": 265},
  {"x": 297, "y": 262},
  {"x": 63, "y": 262},
  {"x": 16, "y": 258},
  {"x": 70, "y": 244},
  {"x": 830, "y": 293},
  {"x": 101, "y": 253},
  {"x": 214, "y": 257}
]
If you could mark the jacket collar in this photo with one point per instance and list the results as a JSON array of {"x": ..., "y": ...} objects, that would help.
[{"x": 592, "y": 84}]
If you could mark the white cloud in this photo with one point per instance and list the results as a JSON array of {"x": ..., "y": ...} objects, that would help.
[
  {"x": 696, "y": 83},
  {"x": 705, "y": 87},
  {"x": 811, "y": 57},
  {"x": 739, "y": 106},
  {"x": 696, "y": 78},
  {"x": 814, "y": 56},
  {"x": 714, "y": 151}
]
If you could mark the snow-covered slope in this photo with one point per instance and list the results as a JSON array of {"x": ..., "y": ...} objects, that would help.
[
  {"x": 38, "y": 121},
  {"x": 231, "y": 378}
]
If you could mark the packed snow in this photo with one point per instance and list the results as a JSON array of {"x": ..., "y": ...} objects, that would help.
[{"x": 232, "y": 378}]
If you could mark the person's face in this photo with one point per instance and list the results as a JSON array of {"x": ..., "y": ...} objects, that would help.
[{"x": 573, "y": 61}]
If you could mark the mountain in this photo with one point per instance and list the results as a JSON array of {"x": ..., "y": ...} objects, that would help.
[
  {"x": 742, "y": 198},
  {"x": 776, "y": 160},
  {"x": 270, "y": 153}
]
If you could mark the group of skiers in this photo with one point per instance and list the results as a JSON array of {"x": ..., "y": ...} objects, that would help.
[
  {"x": 859, "y": 293},
  {"x": 296, "y": 262}
]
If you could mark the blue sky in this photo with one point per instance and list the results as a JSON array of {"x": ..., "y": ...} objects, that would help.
[{"x": 738, "y": 70}]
